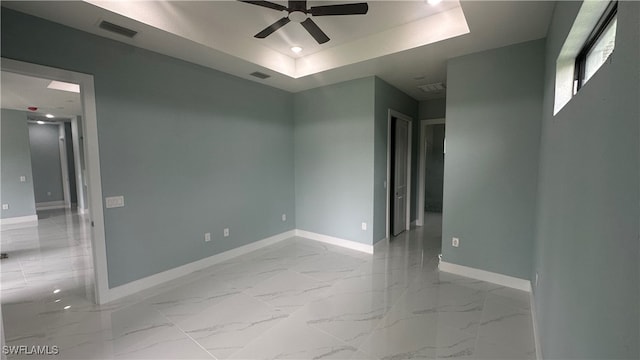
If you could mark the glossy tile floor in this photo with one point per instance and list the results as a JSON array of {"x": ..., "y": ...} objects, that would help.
[{"x": 298, "y": 299}]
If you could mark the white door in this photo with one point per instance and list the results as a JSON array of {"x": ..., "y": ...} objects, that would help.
[{"x": 400, "y": 180}]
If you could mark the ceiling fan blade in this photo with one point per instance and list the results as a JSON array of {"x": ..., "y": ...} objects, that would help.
[
  {"x": 271, "y": 28},
  {"x": 342, "y": 9},
  {"x": 298, "y": 5},
  {"x": 266, "y": 4},
  {"x": 315, "y": 31}
]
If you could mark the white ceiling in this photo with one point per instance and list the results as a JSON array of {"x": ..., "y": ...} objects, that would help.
[
  {"x": 398, "y": 41},
  {"x": 20, "y": 92}
]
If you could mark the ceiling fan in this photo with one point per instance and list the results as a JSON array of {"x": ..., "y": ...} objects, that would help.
[{"x": 298, "y": 12}]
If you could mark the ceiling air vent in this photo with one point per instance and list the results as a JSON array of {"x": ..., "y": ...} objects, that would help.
[
  {"x": 120, "y": 30},
  {"x": 260, "y": 75},
  {"x": 432, "y": 88}
]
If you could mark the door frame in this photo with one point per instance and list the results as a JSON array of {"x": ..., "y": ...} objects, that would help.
[
  {"x": 400, "y": 116},
  {"x": 92, "y": 158},
  {"x": 64, "y": 165},
  {"x": 422, "y": 168},
  {"x": 78, "y": 165}
]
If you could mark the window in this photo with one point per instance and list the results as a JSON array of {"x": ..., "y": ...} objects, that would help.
[{"x": 597, "y": 48}]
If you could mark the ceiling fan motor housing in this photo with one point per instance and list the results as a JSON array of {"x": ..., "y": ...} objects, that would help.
[{"x": 297, "y": 16}]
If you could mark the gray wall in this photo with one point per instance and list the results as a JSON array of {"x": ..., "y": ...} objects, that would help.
[
  {"x": 587, "y": 229},
  {"x": 388, "y": 97},
  {"x": 45, "y": 162},
  {"x": 432, "y": 109},
  {"x": 490, "y": 179},
  {"x": 15, "y": 161},
  {"x": 207, "y": 152},
  {"x": 334, "y": 159}
]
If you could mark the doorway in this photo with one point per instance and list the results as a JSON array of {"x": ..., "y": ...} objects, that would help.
[
  {"x": 398, "y": 174},
  {"x": 79, "y": 151},
  {"x": 431, "y": 169},
  {"x": 57, "y": 168}
]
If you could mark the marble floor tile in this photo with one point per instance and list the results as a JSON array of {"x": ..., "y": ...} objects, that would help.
[
  {"x": 297, "y": 299},
  {"x": 489, "y": 351},
  {"x": 350, "y": 317},
  {"x": 506, "y": 326},
  {"x": 289, "y": 290},
  {"x": 509, "y": 297},
  {"x": 417, "y": 337},
  {"x": 229, "y": 325},
  {"x": 329, "y": 267},
  {"x": 292, "y": 339},
  {"x": 190, "y": 299},
  {"x": 450, "y": 305}
]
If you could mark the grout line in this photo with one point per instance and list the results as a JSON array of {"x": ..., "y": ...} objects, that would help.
[{"x": 185, "y": 334}]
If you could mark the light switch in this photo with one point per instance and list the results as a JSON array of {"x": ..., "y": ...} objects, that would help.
[
  {"x": 23, "y": 178},
  {"x": 5, "y": 206},
  {"x": 114, "y": 201}
]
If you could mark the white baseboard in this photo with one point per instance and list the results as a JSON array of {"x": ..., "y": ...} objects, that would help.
[
  {"x": 136, "y": 286},
  {"x": 504, "y": 280},
  {"x": 349, "y": 244},
  {"x": 536, "y": 333},
  {"x": 51, "y": 205},
  {"x": 18, "y": 219}
]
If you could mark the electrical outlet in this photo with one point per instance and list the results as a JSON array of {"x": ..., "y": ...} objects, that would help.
[
  {"x": 455, "y": 242},
  {"x": 5, "y": 206},
  {"x": 207, "y": 237},
  {"x": 23, "y": 178},
  {"x": 226, "y": 232},
  {"x": 364, "y": 226},
  {"x": 48, "y": 193},
  {"x": 114, "y": 201},
  {"x": 284, "y": 217}
]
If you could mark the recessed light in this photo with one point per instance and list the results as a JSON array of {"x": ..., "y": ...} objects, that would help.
[
  {"x": 64, "y": 86},
  {"x": 49, "y": 116},
  {"x": 67, "y": 307},
  {"x": 434, "y": 2},
  {"x": 42, "y": 123},
  {"x": 58, "y": 300},
  {"x": 296, "y": 49},
  {"x": 56, "y": 291}
]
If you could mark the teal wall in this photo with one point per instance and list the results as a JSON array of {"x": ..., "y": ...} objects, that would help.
[
  {"x": 15, "y": 161},
  {"x": 432, "y": 109},
  {"x": 491, "y": 167},
  {"x": 587, "y": 229},
  {"x": 45, "y": 162},
  {"x": 186, "y": 145},
  {"x": 340, "y": 146},
  {"x": 334, "y": 160},
  {"x": 388, "y": 97}
]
